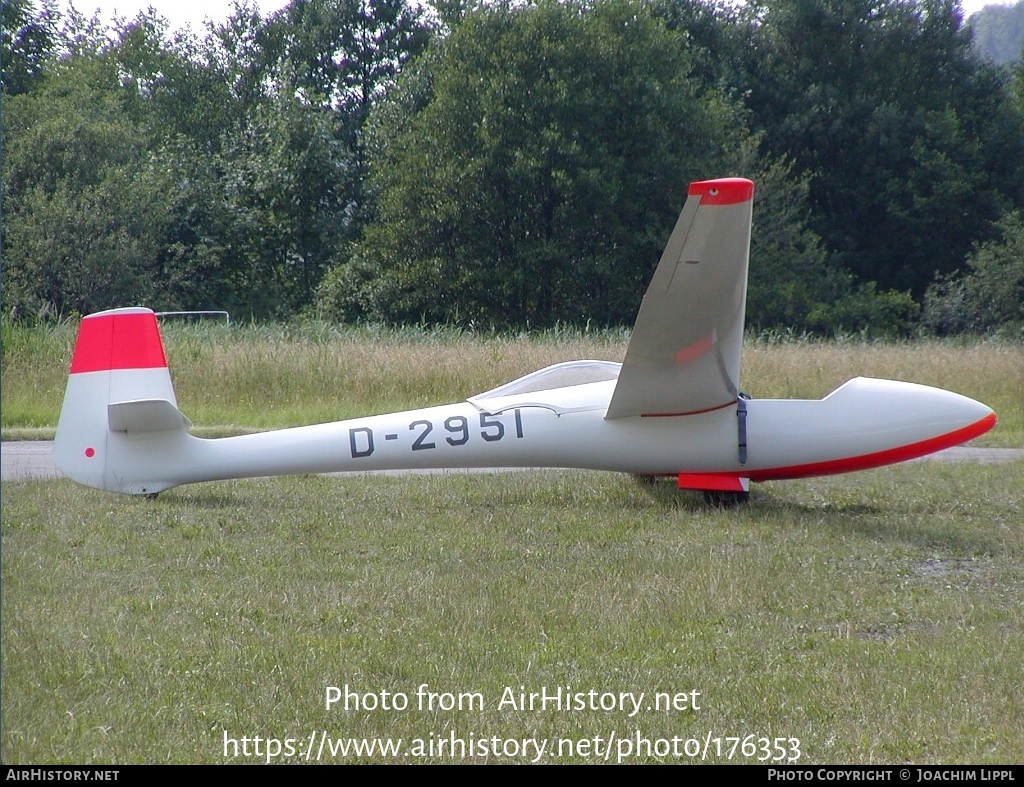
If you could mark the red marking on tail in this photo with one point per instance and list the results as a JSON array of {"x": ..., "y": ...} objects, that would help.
[{"x": 118, "y": 340}]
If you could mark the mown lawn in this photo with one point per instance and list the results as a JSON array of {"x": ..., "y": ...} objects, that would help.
[{"x": 874, "y": 617}]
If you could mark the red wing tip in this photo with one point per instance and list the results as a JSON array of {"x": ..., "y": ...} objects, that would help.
[{"x": 724, "y": 191}]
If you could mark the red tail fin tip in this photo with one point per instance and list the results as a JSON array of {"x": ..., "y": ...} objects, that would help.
[{"x": 118, "y": 339}]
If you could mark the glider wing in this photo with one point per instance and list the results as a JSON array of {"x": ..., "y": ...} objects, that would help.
[{"x": 684, "y": 354}]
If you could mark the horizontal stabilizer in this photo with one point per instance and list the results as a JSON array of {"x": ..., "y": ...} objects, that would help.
[{"x": 145, "y": 415}]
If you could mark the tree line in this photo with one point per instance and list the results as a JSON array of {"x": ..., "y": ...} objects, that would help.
[
  {"x": 510, "y": 164},
  {"x": 998, "y": 31}
]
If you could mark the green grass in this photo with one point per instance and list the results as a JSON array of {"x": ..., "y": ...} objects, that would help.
[
  {"x": 876, "y": 617},
  {"x": 238, "y": 378}
]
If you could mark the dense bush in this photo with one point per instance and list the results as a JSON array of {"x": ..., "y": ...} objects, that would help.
[{"x": 989, "y": 295}]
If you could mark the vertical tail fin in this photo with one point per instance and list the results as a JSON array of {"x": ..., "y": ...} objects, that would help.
[{"x": 118, "y": 386}]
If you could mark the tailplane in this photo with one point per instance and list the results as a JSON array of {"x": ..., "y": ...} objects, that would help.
[{"x": 119, "y": 389}]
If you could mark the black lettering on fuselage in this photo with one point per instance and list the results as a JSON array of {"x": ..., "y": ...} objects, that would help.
[{"x": 353, "y": 441}]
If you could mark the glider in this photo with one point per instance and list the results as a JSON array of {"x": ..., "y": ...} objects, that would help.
[{"x": 672, "y": 408}]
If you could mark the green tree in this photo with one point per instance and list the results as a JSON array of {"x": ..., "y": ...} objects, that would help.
[
  {"x": 180, "y": 84},
  {"x": 793, "y": 284},
  {"x": 344, "y": 56},
  {"x": 253, "y": 224},
  {"x": 347, "y": 53},
  {"x": 28, "y": 41},
  {"x": 284, "y": 180},
  {"x": 912, "y": 146},
  {"x": 989, "y": 295},
  {"x": 529, "y": 169},
  {"x": 1017, "y": 83},
  {"x": 80, "y": 226},
  {"x": 999, "y": 31},
  {"x": 716, "y": 36},
  {"x": 147, "y": 169},
  {"x": 82, "y": 249}
]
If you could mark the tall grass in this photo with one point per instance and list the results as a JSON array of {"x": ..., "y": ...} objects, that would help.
[
  {"x": 261, "y": 376},
  {"x": 33, "y": 373}
]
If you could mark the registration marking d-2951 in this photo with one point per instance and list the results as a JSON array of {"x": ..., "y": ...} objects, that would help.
[{"x": 455, "y": 431}]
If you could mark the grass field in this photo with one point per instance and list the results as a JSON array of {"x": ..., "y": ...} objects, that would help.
[{"x": 873, "y": 618}]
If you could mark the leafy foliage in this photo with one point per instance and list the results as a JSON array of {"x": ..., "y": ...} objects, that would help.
[
  {"x": 180, "y": 173},
  {"x": 999, "y": 31},
  {"x": 510, "y": 163},
  {"x": 794, "y": 285},
  {"x": 347, "y": 53},
  {"x": 27, "y": 43},
  {"x": 81, "y": 224},
  {"x": 905, "y": 131},
  {"x": 989, "y": 296},
  {"x": 530, "y": 169}
]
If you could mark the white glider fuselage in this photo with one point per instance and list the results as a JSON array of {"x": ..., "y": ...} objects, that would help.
[
  {"x": 865, "y": 423},
  {"x": 671, "y": 408}
]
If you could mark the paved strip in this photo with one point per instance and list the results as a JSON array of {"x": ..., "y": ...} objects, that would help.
[
  {"x": 33, "y": 460},
  {"x": 27, "y": 460}
]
